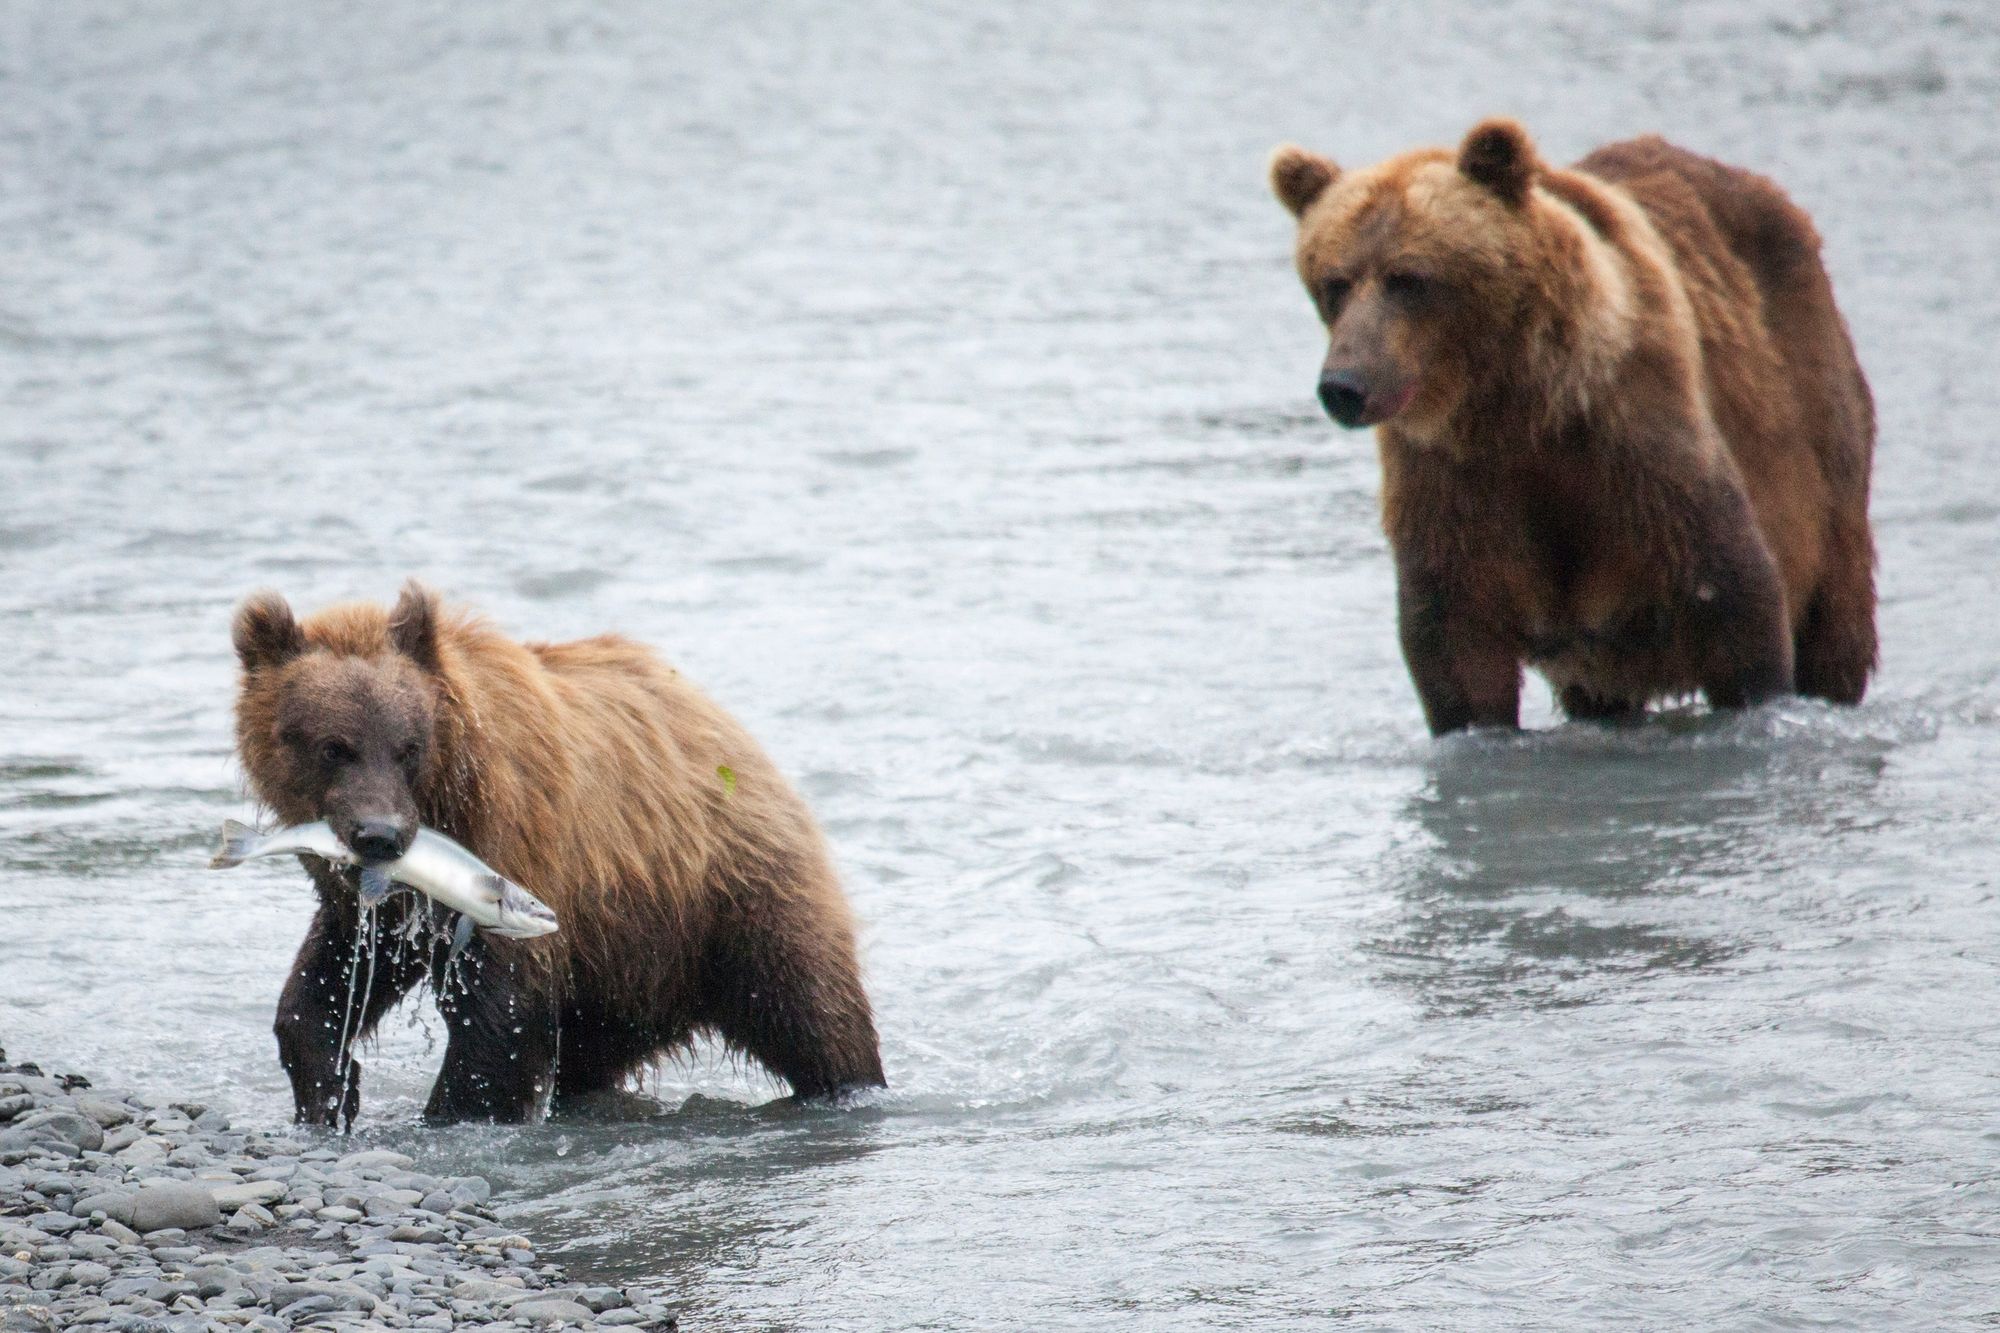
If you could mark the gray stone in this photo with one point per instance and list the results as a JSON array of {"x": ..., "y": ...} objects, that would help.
[
  {"x": 118, "y": 1231},
  {"x": 115, "y": 1204},
  {"x": 338, "y": 1295},
  {"x": 107, "y": 1114},
  {"x": 378, "y": 1159},
  {"x": 161, "y": 1204},
  {"x": 124, "y": 1136},
  {"x": 72, "y": 1128},
  {"x": 551, "y": 1312},
  {"x": 90, "y": 1274},
  {"x": 231, "y": 1197}
]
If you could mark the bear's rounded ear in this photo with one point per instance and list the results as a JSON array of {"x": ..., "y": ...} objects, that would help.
[
  {"x": 265, "y": 633},
  {"x": 1499, "y": 155},
  {"x": 413, "y": 625},
  {"x": 1299, "y": 177}
]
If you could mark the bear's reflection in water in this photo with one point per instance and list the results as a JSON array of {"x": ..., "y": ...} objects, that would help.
[{"x": 1551, "y": 866}]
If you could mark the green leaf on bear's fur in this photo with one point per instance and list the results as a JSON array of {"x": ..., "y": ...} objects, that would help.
[{"x": 728, "y": 776}]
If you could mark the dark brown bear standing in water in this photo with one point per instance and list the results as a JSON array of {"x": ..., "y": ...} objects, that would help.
[
  {"x": 1624, "y": 437},
  {"x": 694, "y": 889}
]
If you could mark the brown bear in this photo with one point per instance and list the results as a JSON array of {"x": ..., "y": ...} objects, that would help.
[
  {"x": 694, "y": 890},
  {"x": 1624, "y": 436}
]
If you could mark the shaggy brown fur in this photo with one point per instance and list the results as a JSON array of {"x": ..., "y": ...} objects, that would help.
[
  {"x": 694, "y": 889},
  {"x": 1624, "y": 437}
]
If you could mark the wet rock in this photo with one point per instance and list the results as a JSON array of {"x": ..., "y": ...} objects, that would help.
[
  {"x": 229, "y": 1198},
  {"x": 107, "y": 1114},
  {"x": 114, "y": 1204},
  {"x": 551, "y": 1312},
  {"x": 377, "y": 1159},
  {"x": 79, "y": 1130},
  {"x": 162, "y": 1204}
]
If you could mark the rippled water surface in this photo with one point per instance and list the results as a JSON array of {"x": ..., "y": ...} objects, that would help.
[{"x": 934, "y": 387}]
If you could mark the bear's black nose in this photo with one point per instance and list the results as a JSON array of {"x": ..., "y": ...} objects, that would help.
[
  {"x": 376, "y": 839},
  {"x": 1342, "y": 395}
]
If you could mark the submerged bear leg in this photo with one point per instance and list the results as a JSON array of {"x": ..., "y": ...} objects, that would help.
[
  {"x": 1465, "y": 674},
  {"x": 1836, "y": 640},
  {"x": 1737, "y": 621},
  {"x": 499, "y": 1056},
  {"x": 602, "y": 1049},
  {"x": 333, "y": 998},
  {"x": 1584, "y": 706},
  {"x": 787, "y": 990}
]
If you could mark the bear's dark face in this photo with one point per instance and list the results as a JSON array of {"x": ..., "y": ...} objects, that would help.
[
  {"x": 330, "y": 733},
  {"x": 1415, "y": 267}
]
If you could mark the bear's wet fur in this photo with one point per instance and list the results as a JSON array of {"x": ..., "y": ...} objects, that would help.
[
  {"x": 694, "y": 889},
  {"x": 1624, "y": 436}
]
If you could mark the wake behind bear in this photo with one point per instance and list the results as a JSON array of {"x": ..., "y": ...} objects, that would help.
[
  {"x": 694, "y": 889},
  {"x": 1624, "y": 437}
]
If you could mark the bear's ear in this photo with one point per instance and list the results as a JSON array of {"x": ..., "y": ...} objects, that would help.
[
  {"x": 265, "y": 633},
  {"x": 413, "y": 625},
  {"x": 1499, "y": 155},
  {"x": 1299, "y": 177}
]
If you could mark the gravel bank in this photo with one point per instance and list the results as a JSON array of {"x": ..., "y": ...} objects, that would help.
[{"x": 122, "y": 1212}]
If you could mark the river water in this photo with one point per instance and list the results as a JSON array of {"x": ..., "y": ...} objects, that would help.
[{"x": 931, "y": 383}]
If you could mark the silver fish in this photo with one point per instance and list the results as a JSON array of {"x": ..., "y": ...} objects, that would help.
[{"x": 434, "y": 865}]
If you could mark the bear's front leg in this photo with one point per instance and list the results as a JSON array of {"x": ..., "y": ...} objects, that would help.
[
  {"x": 1466, "y": 673},
  {"x": 1738, "y": 622},
  {"x": 499, "y": 1060},
  {"x": 332, "y": 999}
]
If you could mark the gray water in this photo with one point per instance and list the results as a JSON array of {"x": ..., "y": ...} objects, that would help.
[{"x": 934, "y": 387}]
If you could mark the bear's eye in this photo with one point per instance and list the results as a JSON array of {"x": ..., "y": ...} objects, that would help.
[
  {"x": 407, "y": 755},
  {"x": 1403, "y": 285},
  {"x": 333, "y": 752},
  {"x": 1333, "y": 293}
]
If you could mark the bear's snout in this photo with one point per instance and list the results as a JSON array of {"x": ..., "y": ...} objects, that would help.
[
  {"x": 1358, "y": 398},
  {"x": 379, "y": 838},
  {"x": 1344, "y": 396}
]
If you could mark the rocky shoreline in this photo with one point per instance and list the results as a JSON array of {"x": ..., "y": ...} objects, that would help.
[{"x": 127, "y": 1213}]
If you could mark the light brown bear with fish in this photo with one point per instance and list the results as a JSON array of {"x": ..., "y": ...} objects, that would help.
[{"x": 693, "y": 889}]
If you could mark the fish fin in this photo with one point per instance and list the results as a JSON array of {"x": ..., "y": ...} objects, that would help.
[
  {"x": 237, "y": 838},
  {"x": 461, "y": 936},
  {"x": 375, "y": 885}
]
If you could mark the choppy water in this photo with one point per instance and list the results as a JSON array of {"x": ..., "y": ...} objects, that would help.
[{"x": 933, "y": 386}]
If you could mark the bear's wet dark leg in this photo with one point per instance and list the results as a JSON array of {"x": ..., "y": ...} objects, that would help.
[
  {"x": 1836, "y": 640},
  {"x": 1738, "y": 618},
  {"x": 1465, "y": 673},
  {"x": 1584, "y": 706},
  {"x": 601, "y": 1048},
  {"x": 781, "y": 990},
  {"x": 499, "y": 1057},
  {"x": 334, "y": 994}
]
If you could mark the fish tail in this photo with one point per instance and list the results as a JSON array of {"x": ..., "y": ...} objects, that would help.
[{"x": 237, "y": 839}]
